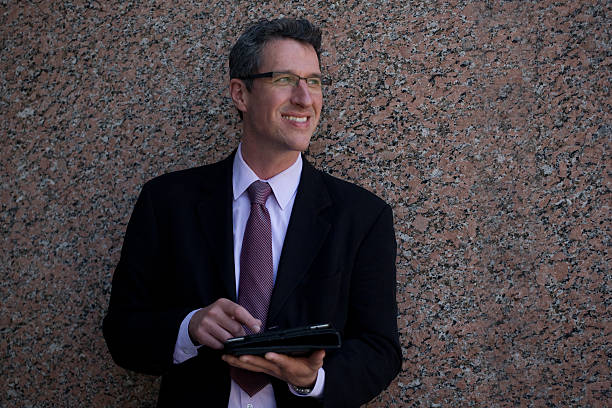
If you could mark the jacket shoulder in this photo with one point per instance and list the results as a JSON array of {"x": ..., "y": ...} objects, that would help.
[
  {"x": 351, "y": 194},
  {"x": 191, "y": 179}
]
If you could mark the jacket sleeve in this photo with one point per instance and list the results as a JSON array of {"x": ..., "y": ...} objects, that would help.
[
  {"x": 370, "y": 356},
  {"x": 141, "y": 325}
]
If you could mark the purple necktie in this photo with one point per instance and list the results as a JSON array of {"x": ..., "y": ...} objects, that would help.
[{"x": 256, "y": 275}]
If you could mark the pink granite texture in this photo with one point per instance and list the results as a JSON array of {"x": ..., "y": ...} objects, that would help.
[{"x": 486, "y": 125}]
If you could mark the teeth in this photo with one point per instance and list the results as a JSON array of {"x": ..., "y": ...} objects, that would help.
[{"x": 295, "y": 119}]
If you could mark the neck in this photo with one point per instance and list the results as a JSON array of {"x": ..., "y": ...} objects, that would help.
[{"x": 267, "y": 164}]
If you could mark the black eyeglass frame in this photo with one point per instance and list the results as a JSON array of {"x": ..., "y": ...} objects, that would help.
[{"x": 324, "y": 81}]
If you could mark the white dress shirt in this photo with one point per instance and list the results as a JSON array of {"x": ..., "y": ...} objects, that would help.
[{"x": 279, "y": 204}]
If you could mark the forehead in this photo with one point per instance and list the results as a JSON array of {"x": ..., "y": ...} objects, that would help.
[{"x": 290, "y": 56}]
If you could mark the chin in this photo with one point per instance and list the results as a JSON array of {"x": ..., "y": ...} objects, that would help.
[
  {"x": 298, "y": 142},
  {"x": 302, "y": 146}
]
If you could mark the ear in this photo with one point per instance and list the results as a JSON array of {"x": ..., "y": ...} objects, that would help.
[{"x": 239, "y": 94}]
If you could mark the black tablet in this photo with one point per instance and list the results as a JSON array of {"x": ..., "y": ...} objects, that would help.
[{"x": 295, "y": 341}]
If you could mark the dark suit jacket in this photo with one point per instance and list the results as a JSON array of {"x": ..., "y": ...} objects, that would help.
[{"x": 337, "y": 265}]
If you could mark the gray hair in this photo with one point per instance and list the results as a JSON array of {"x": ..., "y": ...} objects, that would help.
[{"x": 245, "y": 56}]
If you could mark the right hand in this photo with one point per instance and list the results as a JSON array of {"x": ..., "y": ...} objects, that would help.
[{"x": 220, "y": 321}]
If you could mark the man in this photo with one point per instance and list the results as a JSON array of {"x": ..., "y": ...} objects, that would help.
[{"x": 260, "y": 240}]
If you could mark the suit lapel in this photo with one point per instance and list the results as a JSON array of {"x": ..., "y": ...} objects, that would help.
[
  {"x": 306, "y": 232},
  {"x": 215, "y": 216}
]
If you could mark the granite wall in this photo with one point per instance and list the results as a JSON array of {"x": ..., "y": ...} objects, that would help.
[{"x": 486, "y": 125}]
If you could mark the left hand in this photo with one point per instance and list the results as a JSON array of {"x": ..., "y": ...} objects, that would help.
[{"x": 299, "y": 371}]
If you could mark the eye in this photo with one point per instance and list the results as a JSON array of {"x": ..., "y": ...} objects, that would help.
[
  {"x": 282, "y": 80},
  {"x": 314, "y": 82}
]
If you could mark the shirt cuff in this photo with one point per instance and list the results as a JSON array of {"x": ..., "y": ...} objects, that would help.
[
  {"x": 317, "y": 390},
  {"x": 184, "y": 349}
]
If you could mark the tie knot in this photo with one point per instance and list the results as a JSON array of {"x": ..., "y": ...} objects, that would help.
[{"x": 259, "y": 192}]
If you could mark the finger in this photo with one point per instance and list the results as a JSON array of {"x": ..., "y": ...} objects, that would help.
[
  {"x": 211, "y": 325},
  {"x": 228, "y": 324},
  {"x": 288, "y": 364},
  {"x": 231, "y": 360},
  {"x": 208, "y": 340},
  {"x": 278, "y": 359},
  {"x": 243, "y": 316},
  {"x": 216, "y": 331},
  {"x": 252, "y": 363},
  {"x": 234, "y": 362},
  {"x": 314, "y": 360},
  {"x": 258, "y": 362},
  {"x": 233, "y": 316}
]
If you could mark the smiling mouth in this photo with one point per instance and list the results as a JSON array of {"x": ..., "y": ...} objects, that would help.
[{"x": 297, "y": 119}]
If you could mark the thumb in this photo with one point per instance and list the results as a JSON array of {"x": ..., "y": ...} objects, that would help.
[{"x": 316, "y": 358}]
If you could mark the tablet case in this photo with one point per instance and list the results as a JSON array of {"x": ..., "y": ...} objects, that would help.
[{"x": 296, "y": 341}]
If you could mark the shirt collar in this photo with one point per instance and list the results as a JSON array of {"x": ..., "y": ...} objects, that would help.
[{"x": 284, "y": 184}]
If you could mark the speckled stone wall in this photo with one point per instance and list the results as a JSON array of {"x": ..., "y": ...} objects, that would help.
[{"x": 486, "y": 125}]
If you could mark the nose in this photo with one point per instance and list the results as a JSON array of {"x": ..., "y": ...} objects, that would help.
[{"x": 301, "y": 94}]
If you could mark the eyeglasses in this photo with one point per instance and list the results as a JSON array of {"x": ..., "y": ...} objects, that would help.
[{"x": 289, "y": 79}]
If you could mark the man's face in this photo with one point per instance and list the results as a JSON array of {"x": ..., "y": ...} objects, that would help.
[{"x": 282, "y": 118}]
